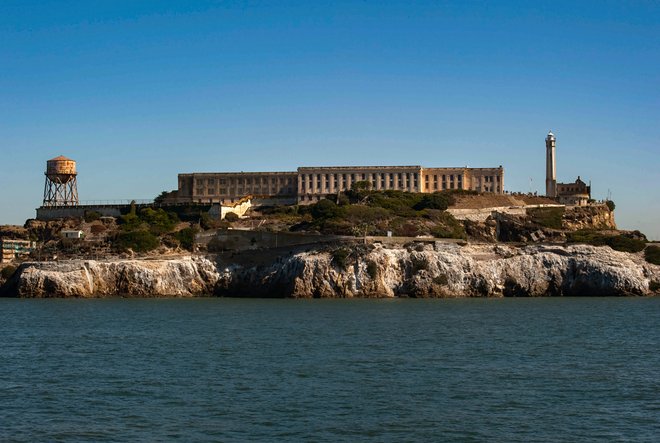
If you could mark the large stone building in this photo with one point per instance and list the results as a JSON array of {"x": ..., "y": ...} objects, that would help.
[{"x": 309, "y": 184}]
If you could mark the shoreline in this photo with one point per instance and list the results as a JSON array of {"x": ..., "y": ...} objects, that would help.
[{"x": 439, "y": 270}]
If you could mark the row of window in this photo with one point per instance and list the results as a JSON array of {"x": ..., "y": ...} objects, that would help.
[
  {"x": 247, "y": 181},
  {"x": 356, "y": 177},
  {"x": 241, "y": 190}
]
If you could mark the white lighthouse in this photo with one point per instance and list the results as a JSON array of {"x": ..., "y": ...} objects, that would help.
[{"x": 550, "y": 166}]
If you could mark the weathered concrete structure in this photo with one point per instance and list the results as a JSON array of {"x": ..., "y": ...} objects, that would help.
[{"x": 310, "y": 184}]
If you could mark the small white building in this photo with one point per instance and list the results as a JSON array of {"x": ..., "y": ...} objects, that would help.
[{"x": 72, "y": 234}]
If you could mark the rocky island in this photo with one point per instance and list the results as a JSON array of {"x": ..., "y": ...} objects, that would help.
[
  {"x": 439, "y": 270},
  {"x": 445, "y": 246}
]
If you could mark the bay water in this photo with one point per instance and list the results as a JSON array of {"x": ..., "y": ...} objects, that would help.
[{"x": 513, "y": 370}]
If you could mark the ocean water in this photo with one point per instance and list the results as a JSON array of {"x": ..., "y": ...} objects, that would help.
[{"x": 512, "y": 370}]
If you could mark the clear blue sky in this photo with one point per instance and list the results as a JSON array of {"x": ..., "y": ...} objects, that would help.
[{"x": 138, "y": 91}]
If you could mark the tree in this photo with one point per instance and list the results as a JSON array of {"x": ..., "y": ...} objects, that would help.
[
  {"x": 324, "y": 209},
  {"x": 362, "y": 185},
  {"x": 231, "y": 217},
  {"x": 161, "y": 197}
]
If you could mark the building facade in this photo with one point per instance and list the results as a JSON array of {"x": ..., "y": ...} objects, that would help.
[
  {"x": 574, "y": 194},
  {"x": 310, "y": 184},
  {"x": 15, "y": 249}
]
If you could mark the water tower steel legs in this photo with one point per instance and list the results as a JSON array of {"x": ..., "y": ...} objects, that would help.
[{"x": 61, "y": 194}]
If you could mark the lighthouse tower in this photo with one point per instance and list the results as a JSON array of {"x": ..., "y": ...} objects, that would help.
[{"x": 550, "y": 166}]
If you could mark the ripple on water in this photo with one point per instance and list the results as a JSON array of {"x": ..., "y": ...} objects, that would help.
[{"x": 330, "y": 370}]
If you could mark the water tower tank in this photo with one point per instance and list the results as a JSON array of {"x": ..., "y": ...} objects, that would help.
[{"x": 61, "y": 169}]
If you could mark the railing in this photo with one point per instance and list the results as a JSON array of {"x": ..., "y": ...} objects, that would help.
[{"x": 116, "y": 202}]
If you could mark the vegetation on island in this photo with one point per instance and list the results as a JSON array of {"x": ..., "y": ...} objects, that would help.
[
  {"x": 626, "y": 242},
  {"x": 652, "y": 254},
  {"x": 547, "y": 217},
  {"x": 362, "y": 211},
  {"x": 7, "y": 272},
  {"x": 141, "y": 231}
]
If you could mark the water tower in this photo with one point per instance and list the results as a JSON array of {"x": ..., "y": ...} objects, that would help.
[{"x": 61, "y": 187}]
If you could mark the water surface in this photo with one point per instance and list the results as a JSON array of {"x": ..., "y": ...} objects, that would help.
[{"x": 330, "y": 370}]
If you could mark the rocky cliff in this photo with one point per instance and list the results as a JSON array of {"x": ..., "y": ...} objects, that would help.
[
  {"x": 588, "y": 217},
  {"x": 182, "y": 277},
  {"x": 440, "y": 270}
]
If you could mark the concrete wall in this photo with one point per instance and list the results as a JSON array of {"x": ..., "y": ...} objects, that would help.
[
  {"x": 480, "y": 215},
  {"x": 76, "y": 211},
  {"x": 239, "y": 240}
]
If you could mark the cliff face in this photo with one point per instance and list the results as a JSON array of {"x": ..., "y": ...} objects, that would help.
[
  {"x": 137, "y": 278},
  {"x": 588, "y": 217},
  {"x": 449, "y": 270},
  {"x": 443, "y": 270}
]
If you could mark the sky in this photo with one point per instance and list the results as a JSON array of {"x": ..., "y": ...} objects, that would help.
[{"x": 139, "y": 91}]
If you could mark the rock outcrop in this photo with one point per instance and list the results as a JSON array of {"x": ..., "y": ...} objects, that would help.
[
  {"x": 450, "y": 270},
  {"x": 183, "y": 277},
  {"x": 588, "y": 217},
  {"x": 431, "y": 270}
]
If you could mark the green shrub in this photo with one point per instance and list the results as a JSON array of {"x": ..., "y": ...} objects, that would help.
[
  {"x": 340, "y": 258},
  {"x": 434, "y": 201},
  {"x": 231, "y": 217},
  {"x": 130, "y": 222},
  {"x": 91, "y": 216},
  {"x": 447, "y": 226},
  {"x": 654, "y": 286},
  {"x": 621, "y": 243},
  {"x": 186, "y": 237},
  {"x": 372, "y": 269},
  {"x": 610, "y": 204},
  {"x": 362, "y": 185},
  {"x": 342, "y": 200},
  {"x": 138, "y": 241},
  {"x": 625, "y": 244},
  {"x": 159, "y": 221},
  {"x": 652, "y": 254},
  {"x": 441, "y": 280},
  {"x": 547, "y": 217},
  {"x": 7, "y": 272},
  {"x": 324, "y": 210},
  {"x": 398, "y": 203},
  {"x": 207, "y": 222}
]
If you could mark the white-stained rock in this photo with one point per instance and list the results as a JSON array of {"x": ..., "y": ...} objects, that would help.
[{"x": 443, "y": 270}]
